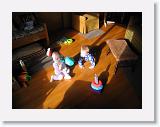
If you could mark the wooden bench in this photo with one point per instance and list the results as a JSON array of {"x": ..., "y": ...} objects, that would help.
[
  {"x": 123, "y": 54},
  {"x": 22, "y": 41}
]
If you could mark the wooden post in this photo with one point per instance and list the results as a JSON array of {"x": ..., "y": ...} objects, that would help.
[
  {"x": 47, "y": 37},
  {"x": 104, "y": 20}
]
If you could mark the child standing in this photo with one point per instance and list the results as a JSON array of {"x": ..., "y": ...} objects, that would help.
[{"x": 85, "y": 55}]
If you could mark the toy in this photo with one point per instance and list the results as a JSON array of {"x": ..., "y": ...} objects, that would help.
[
  {"x": 60, "y": 69},
  {"x": 24, "y": 77},
  {"x": 85, "y": 55},
  {"x": 68, "y": 41},
  {"x": 64, "y": 40},
  {"x": 97, "y": 85},
  {"x": 69, "y": 61}
]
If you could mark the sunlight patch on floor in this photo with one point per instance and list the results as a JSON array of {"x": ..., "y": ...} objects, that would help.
[{"x": 56, "y": 95}]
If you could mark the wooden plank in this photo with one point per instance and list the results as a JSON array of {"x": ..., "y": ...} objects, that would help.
[
  {"x": 78, "y": 23},
  {"x": 76, "y": 93},
  {"x": 31, "y": 38}
]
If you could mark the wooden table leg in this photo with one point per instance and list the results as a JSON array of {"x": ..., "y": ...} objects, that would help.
[
  {"x": 46, "y": 34},
  {"x": 116, "y": 68}
]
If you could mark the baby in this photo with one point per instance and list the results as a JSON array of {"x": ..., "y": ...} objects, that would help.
[
  {"x": 85, "y": 55},
  {"x": 61, "y": 71}
]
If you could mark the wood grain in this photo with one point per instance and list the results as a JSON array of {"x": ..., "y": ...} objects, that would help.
[{"x": 118, "y": 92}]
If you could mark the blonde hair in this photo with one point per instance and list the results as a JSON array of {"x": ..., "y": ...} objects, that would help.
[{"x": 85, "y": 48}]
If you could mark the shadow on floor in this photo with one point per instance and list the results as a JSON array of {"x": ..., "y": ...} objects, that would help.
[
  {"x": 117, "y": 94},
  {"x": 96, "y": 51},
  {"x": 41, "y": 84},
  {"x": 79, "y": 95},
  {"x": 134, "y": 75}
]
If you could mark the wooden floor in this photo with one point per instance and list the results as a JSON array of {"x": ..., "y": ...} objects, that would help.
[{"x": 118, "y": 92}]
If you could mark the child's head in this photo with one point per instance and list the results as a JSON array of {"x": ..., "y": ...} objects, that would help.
[
  {"x": 84, "y": 50},
  {"x": 56, "y": 56}
]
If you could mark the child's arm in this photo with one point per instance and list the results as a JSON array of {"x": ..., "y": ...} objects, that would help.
[
  {"x": 92, "y": 60},
  {"x": 60, "y": 66},
  {"x": 80, "y": 62}
]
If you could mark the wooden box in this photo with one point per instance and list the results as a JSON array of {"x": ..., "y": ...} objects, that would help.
[{"x": 85, "y": 23}]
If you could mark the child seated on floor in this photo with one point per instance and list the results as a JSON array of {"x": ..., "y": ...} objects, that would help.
[
  {"x": 60, "y": 69},
  {"x": 85, "y": 55}
]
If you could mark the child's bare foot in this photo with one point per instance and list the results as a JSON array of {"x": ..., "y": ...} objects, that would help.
[
  {"x": 67, "y": 77},
  {"x": 81, "y": 66},
  {"x": 91, "y": 67},
  {"x": 60, "y": 77},
  {"x": 51, "y": 78}
]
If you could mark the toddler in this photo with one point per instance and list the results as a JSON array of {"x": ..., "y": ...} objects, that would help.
[
  {"x": 85, "y": 55},
  {"x": 61, "y": 71}
]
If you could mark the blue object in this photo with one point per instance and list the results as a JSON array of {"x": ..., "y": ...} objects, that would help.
[
  {"x": 97, "y": 88},
  {"x": 69, "y": 61},
  {"x": 87, "y": 57}
]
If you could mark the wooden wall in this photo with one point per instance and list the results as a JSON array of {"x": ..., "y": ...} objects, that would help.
[
  {"x": 60, "y": 20},
  {"x": 134, "y": 31},
  {"x": 67, "y": 18},
  {"x": 55, "y": 20}
]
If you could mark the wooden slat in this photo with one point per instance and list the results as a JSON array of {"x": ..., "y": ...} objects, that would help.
[
  {"x": 31, "y": 38},
  {"x": 76, "y": 93}
]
